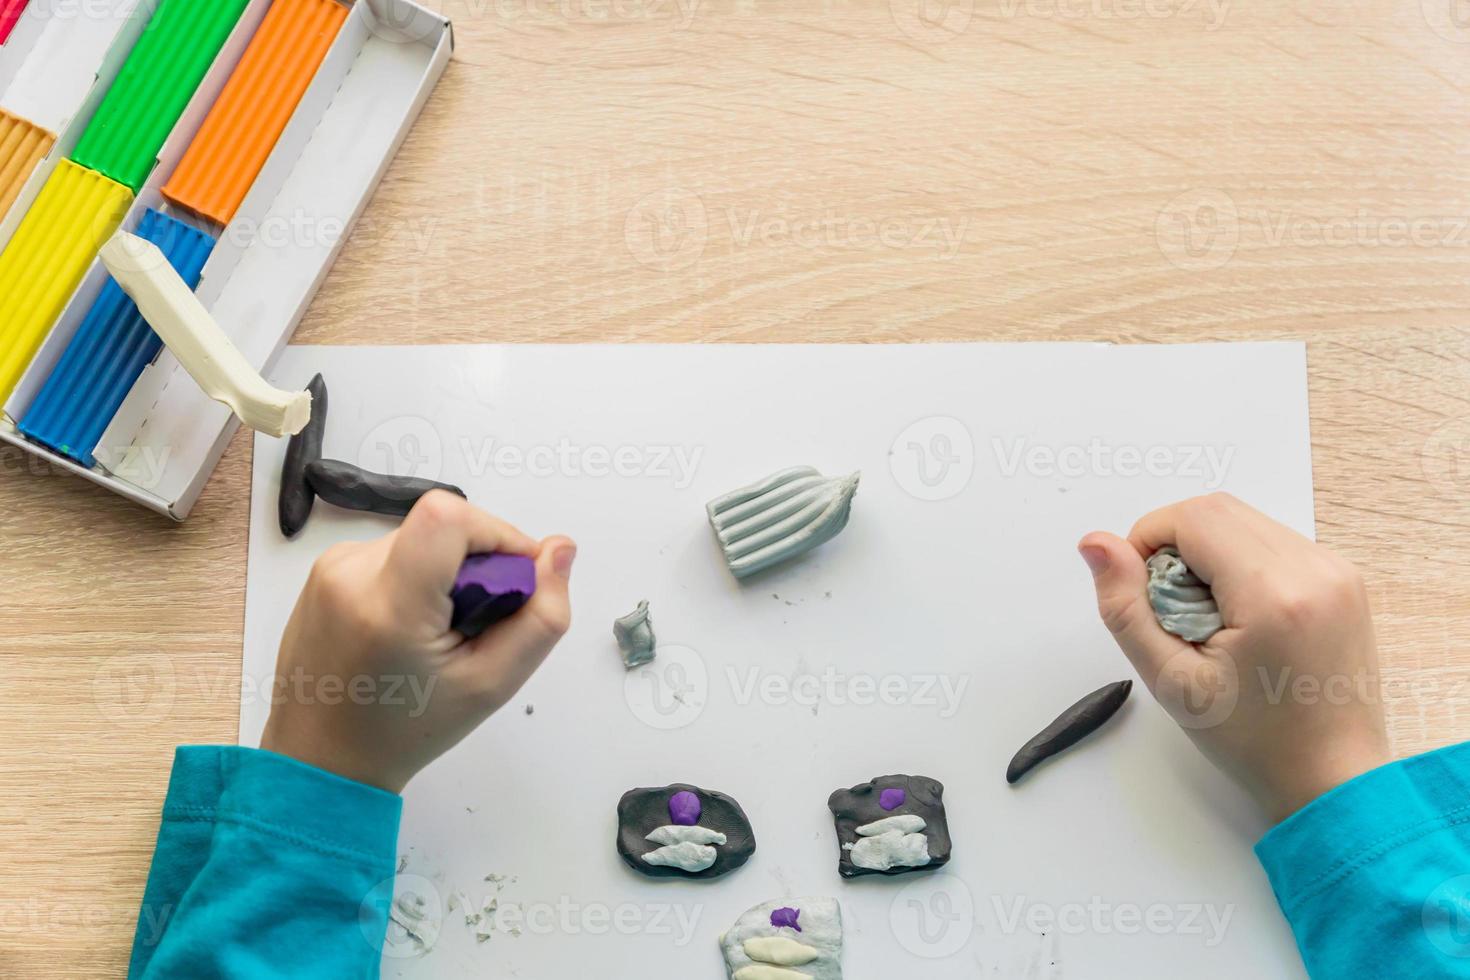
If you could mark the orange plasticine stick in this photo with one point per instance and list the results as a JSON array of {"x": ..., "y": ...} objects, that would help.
[
  {"x": 241, "y": 130},
  {"x": 22, "y": 145}
]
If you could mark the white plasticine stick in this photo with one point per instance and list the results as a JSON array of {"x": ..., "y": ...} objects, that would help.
[{"x": 187, "y": 329}]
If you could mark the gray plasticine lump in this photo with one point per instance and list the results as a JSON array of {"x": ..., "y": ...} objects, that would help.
[
  {"x": 634, "y": 633},
  {"x": 1184, "y": 605},
  {"x": 785, "y": 515}
]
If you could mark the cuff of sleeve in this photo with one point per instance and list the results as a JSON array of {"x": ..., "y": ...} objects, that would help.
[
  {"x": 1364, "y": 820},
  {"x": 195, "y": 784},
  {"x": 311, "y": 807}
]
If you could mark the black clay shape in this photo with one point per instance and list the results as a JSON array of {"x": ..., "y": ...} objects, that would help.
[
  {"x": 1074, "y": 724},
  {"x": 305, "y": 446},
  {"x": 862, "y": 804},
  {"x": 641, "y": 811},
  {"x": 355, "y": 488}
]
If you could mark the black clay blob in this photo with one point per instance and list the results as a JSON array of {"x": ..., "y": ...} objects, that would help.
[
  {"x": 355, "y": 488},
  {"x": 305, "y": 447},
  {"x": 891, "y": 825},
  {"x": 675, "y": 832},
  {"x": 1074, "y": 724}
]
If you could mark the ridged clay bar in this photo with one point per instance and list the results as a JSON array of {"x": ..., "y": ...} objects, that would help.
[
  {"x": 1184, "y": 605},
  {"x": 781, "y": 517}
]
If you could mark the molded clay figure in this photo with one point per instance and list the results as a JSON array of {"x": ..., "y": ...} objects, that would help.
[
  {"x": 892, "y": 825},
  {"x": 682, "y": 831},
  {"x": 789, "y": 939}
]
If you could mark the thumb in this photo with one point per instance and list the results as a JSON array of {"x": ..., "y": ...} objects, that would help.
[
  {"x": 1121, "y": 580},
  {"x": 528, "y": 636}
]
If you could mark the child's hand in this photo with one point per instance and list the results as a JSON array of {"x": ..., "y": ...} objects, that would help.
[
  {"x": 1285, "y": 698},
  {"x": 371, "y": 683}
]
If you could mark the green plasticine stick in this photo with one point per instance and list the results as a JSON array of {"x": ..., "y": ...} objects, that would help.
[{"x": 155, "y": 84}]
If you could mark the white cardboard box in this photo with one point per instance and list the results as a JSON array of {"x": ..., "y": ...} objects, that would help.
[{"x": 167, "y": 437}]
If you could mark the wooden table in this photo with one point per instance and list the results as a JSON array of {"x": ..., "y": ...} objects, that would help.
[{"x": 733, "y": 170}]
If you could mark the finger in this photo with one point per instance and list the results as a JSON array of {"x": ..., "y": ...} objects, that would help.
[
  {"x": 436, "y": 537},
  {"x": 512, "y": 650},
  {"x": 1121, "y": 581},
  {"x": 1220, "y": 539}
]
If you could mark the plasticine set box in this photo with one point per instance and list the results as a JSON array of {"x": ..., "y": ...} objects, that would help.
[{"x": 244, "y": 139}]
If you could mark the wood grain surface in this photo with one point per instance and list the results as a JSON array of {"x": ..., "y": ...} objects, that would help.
[{"x": 913, "y": 170}]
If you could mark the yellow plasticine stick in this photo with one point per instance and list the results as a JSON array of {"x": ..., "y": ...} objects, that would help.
[{"x": 45, "y": 261}]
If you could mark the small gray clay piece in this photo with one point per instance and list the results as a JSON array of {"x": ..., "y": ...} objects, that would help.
[
  {"x": 787, "y": 939},
  {"x": 634, "y": 633},
  {"x": 1184, "y": 605},
  {"x": 784, "y": 515}
]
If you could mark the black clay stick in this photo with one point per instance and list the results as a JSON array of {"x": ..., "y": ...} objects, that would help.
[
  {"x": 1074, "y": 724},
  {"x": 355, "y": 488},
  {"x": 305, "y": 446}
]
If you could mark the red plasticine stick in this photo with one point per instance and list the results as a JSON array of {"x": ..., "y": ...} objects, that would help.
[{"x": 10, "y": 11}]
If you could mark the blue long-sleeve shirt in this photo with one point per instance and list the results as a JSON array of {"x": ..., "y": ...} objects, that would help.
[{"x": 266, "y": 867}]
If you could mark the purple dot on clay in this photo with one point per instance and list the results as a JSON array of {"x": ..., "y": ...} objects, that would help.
[
  {"x": 892, "y": 799},
  {"x": 785, "y": 919},
  {"x": 685, "y": 809}
]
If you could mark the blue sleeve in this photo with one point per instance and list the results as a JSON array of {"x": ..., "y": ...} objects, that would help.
[
  {"x": 266, "y": 867},
  {"x": 1374, "y": 876}
]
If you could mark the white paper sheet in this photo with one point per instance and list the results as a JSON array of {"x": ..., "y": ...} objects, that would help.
[{"x": 945, "y": 626}]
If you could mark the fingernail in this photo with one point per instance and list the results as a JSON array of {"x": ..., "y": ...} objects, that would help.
[
  {"x": 562, "y": 560},
  {"x": 1096, "y": 558}
]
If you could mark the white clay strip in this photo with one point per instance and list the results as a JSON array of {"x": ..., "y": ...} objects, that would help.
[
  {"x": 780, "y": 951},
  {"x": 909, "y": 823},
  {"x": 760, "y": 971},
  {"x": 686, "y": 835},
  {"x": 891, "y": 850},
  {"x": 187, "y": 329},
  {"x": 692, "y": 858}
]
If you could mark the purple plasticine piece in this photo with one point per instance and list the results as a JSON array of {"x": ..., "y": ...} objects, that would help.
[
  {"x": 685, "y": 809},
  {"x": 892, "y": 799},
  {"x": 785, "y": 919},
  {"x": 489, "y": 588}
]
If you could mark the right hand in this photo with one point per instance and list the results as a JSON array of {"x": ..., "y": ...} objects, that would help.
[{"x": 1286, "y": 699}]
